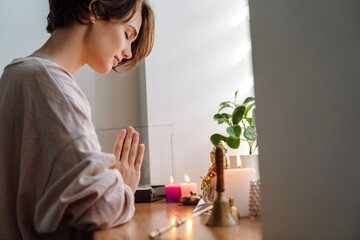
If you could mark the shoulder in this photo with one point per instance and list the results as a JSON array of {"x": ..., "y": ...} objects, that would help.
[
  {"x": 34, "y": 72},
  {"x": 36, "y": 68},
  {"x": 38, "y": 78},
  {"x": 40, "y": 74},
  {"x": 22, "y": 67}
]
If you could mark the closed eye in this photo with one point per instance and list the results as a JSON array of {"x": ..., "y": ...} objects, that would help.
[{"x": 132, "y": 35}]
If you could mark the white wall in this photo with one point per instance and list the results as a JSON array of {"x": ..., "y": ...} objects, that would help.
[
  {"x": 306, "y": 65},
  {"x": 22, "y": 28},
  {"x": 117, "y": 99},
  {"x": 202, "y": 55}
]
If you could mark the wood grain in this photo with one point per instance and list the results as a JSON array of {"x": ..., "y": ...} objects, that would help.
[{"x": 150, "y": 216}]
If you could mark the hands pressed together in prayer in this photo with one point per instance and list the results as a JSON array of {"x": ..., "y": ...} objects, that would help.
[{"x": 129, "y": 156}]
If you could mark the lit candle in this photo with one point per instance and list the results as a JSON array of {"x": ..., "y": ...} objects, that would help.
[
  {"x": 172, "y": 191},
  {"x": 237, "y": 185},
  {"x": 188, "y": 187}
]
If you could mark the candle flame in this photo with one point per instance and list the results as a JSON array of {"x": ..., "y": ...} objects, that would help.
[
  {"x": 171, "y": 179},
  {"x": 187, "y": 179},
  {"x": 238, "y": 161}
]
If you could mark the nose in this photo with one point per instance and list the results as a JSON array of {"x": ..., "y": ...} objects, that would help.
[{"x": 127, "y": 52}]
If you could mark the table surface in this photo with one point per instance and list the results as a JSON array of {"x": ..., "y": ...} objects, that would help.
[{"x": 151, "y": 216}]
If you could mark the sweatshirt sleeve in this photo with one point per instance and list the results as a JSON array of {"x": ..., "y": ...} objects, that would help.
[{"x": 87, "y": 194}]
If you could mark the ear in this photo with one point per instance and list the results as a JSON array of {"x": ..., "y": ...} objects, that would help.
[{"x": 92, "y": 16}]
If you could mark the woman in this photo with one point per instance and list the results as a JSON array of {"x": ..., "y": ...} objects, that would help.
[{"x": 55, "y": 181}]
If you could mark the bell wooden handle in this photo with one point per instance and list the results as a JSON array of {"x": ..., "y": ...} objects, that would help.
[{"x": 219, "y": 163}]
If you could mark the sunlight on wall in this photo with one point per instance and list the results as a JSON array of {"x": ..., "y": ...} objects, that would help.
[{"x": 201, "y": 56}]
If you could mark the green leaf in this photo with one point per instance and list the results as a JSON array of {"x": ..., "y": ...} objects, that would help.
[
  {"x": 224, "y": 106},
  {"x": 248, "y": 108},
  {"x": 226, "y": 116},
  {"x": 234, "y": 143},
  {"x": 220, "y": 118},
  {"x": 249, "y": 120},
  {"x": 248, "y": 99},
  {"x": 234, "y": 131},
  {"x": 216, "y": 138},
  {"x": 250, "y": 133},
  {"x": 238, "y": 114},
  {"x": 236, "y": 93},
  {"x": 223, "y": 103}
]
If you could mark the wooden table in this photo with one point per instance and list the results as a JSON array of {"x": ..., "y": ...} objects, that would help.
[{"x": 150, "y": 216}]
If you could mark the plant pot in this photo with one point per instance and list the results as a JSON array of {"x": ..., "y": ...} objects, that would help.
[
  {"x": 251, "y": 161},
  {"x": 247, "y": 161}
]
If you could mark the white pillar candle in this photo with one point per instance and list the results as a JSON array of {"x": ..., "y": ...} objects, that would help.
[{"x": 237, "y": 185}]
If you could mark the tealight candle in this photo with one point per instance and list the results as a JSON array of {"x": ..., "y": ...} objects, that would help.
[
  {"x": 172, "y": 191},
  {"x": 188, "y": 187},
  {"x": 237, "y": 185}
]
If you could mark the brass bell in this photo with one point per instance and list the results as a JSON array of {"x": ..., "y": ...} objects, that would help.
[{"x": 221, "y": 215}]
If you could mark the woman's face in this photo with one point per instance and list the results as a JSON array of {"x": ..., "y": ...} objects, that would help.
[{"x": 108, "y": 42}]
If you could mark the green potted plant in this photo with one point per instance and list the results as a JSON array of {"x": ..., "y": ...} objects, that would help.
[
  {"x": 241, "y": 125},
  {"x": 239, "y": 119}
]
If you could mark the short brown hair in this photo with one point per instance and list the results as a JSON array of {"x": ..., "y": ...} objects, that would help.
[{"x": 63, "y": 13}]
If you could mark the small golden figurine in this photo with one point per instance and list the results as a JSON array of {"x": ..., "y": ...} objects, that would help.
[
  {"x": 233, "y": 209},
  {"x": 206, "y": 183}
]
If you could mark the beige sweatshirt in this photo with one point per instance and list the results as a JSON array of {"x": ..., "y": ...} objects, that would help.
[{"x": 54, "y": 179}]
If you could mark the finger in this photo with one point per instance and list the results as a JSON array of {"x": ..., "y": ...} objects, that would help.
[
  {"x": 134, "y": 145},
  {"x": 119, "y": 143},
  {"x": 126, "y": 146},
  {"x": 139, "y": 158}
]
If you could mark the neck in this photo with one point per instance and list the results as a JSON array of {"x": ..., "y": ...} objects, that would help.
[{"x": 66, "y": 47}]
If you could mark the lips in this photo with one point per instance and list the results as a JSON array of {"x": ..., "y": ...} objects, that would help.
[{"x": 117, "y": 59}]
